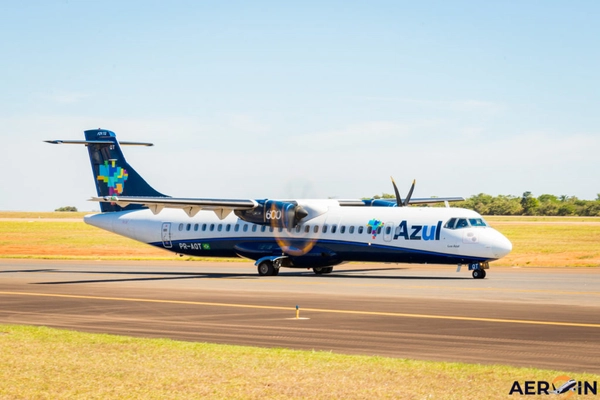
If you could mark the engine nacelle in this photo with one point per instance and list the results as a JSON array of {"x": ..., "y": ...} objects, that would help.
[
  {"x": 380, "y": 203},
  {"x": 278, "y": 214}
]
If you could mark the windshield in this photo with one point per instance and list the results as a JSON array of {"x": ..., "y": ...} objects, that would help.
[
  {"x": 458, "y": 223},
  {"x": 477, "y": 222}
]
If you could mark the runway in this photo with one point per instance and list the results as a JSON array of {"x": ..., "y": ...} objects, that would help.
[{"x": 538, "y": 317}]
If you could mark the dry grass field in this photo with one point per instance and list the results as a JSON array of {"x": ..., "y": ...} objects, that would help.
[
  {"x": 550, "y": 241},
  {"x": 537, "y": 241},
  {"x": 44, "y": 363}
]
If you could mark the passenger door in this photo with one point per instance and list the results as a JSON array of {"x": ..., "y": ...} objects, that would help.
[{"x": 166, "y": 235}]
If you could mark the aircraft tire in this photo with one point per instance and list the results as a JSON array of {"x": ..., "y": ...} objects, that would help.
[
  {"x": 478, "y": 274},
  {"x": 266, "y": 268},
  {"x": 318, "y": 270},
  {"x": 275, "y": 271},
  {"x": 328, "y": 270}
]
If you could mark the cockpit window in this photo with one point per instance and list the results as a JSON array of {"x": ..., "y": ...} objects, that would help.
[
  {"x": 457, "y": 223},
  {"x": 477, "y": 222},
  {"x": 461, "y": 223},
  {"x": 450, "y": 223}
]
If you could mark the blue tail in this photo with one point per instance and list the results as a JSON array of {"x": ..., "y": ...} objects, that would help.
[{"x": 112, "y": 174}]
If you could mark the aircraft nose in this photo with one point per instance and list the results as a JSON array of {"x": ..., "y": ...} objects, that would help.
[{"x": 501, "y": 246}]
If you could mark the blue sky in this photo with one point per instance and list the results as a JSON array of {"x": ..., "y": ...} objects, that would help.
[{"x": 273, "y": 99}]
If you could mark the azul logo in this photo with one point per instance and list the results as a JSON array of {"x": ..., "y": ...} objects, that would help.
[
  {"x": 566, "y": 386},
  {"x": 418, "y": 232},
  {"x": 408, "y": 232},
  {"x": 113, "y": 176},
  {"x": 374, "y": 224}
]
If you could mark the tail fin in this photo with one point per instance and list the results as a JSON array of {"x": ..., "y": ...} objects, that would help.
[{"x": 112, "y": 174}]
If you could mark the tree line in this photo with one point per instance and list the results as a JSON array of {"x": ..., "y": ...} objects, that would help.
[{"x": 527, "y": 204}]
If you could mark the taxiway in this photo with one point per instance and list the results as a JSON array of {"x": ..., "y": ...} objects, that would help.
[{"x": 539, "y": 317}]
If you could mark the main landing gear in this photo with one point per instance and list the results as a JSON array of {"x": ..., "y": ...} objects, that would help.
[
  {"x": 271, "y": 268},
  {"x": 323, "y": 270},
  {"x": 266, "y": 268}
]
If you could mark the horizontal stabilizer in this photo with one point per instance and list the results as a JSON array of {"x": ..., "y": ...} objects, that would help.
[{"x": 86, "y": 142}]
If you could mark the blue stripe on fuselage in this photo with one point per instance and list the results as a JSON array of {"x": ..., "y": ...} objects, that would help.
[{"x": 345, "y": 250}]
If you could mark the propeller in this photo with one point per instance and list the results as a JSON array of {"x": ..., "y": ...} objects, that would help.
[
  {"x": 289, "y": 235},
  {"x": 406, "y": 201}
]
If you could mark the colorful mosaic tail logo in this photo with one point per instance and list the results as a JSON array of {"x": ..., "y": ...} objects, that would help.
[{"x": 113, "y": 176}]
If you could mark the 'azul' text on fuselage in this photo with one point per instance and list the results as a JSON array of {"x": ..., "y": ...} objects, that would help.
[{"x": 418, "y": 232}]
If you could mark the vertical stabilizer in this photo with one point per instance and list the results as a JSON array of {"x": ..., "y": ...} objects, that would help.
[{"x": 112, "y": 174}]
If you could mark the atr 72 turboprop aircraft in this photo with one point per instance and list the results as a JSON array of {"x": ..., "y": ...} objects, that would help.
[{"x": 317, "y": 234}]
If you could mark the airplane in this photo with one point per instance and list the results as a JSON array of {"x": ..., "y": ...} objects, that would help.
[
  {"x": 291, "y": 233},
  {"x": 570, "y": 385}
]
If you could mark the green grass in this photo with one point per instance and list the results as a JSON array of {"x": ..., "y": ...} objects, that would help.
[{"x": 44, "y": 363}]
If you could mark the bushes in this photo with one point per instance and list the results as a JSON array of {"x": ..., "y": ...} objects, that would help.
[
  {"x": 544, "y": 205},
  {"x": 67, "y": 208}
]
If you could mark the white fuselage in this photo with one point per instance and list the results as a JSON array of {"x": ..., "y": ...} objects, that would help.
[{"x": 405, "y": 234}]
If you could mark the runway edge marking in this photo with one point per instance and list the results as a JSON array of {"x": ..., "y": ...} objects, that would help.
[{"x": 321, "y": 310}]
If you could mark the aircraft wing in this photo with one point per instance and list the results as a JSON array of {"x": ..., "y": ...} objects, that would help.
[
  {"x": 392, "y": 202},
  {"x": 221, "y": 207}
]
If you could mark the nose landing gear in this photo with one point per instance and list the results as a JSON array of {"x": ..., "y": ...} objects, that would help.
[
  {"x": 478, "y": 270},
  {"x": 478, "y": 273}
]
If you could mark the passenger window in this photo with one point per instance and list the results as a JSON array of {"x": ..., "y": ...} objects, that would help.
[
  {"x": 343, "y": 229},
  {"x": 298, "y": 228},
  {"x": 203, "y": 227},
  {"x": 462, "y": 223},
  {"x": 316, "y": 229},
  {"x": 245, "y": 228},
  {"x": 280, "y": 229},
  {"x": 333, "y": 228},
  {"x": 263, "y": 228},
  {"x": 254, "y": 228},
  {"x": 220, "y": 228},
  {"x": 228, "y": 227},
  {"x": 271, "y": 229},
  {"x": 379, "y": 230},
  {"x": 212, "y": 227},
  {"x": 388, "y": 230},
  {"x": 236, "y": 228},
  {"x": 324, "y": 228},
  {"x": 180, "y": 227},
  {"x": 360, "y": 229},
  {"x": 195, "y": 227},
  {"x": 188, "y": 227},
  {"x": 369, "y": 229},
  {"x": 351, "y": 230},
  {"x": 307, "y": 229},
  {"x": 450, "y": 223}
]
